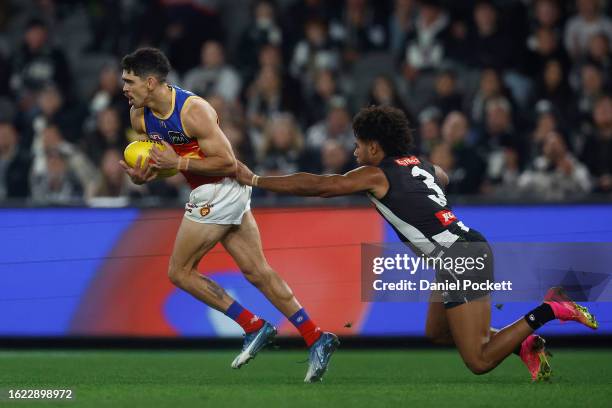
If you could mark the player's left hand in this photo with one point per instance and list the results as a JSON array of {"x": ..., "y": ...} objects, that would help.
[
  {"x": 244, "y": 175},
  {"x": 164, "y": 159}
]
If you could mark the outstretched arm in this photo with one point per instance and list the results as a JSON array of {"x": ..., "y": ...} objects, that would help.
[{"x": 363, "y": 179}]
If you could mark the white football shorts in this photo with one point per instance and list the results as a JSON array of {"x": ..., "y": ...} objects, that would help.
[{"x": 224, "y": 202}]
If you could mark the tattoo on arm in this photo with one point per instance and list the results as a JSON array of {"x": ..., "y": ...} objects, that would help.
[{"x": 217, "y": 290}]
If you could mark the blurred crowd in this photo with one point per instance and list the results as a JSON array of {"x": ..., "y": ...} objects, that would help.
[{"x": 510, "y": 97}]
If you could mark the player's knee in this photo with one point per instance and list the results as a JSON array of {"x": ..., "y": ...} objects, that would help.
[
  {"x": 178, "y": 274},
  {"x": 478, "y": 366}
]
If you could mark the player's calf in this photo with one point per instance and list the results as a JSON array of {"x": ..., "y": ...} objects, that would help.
[
  {"x": 259, "y": 276},
  {"x": 478, "y": 365}
]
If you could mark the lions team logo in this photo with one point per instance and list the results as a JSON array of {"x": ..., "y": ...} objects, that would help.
[{"x": 204, "y": 211}]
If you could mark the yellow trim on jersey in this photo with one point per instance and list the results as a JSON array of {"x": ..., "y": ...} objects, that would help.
[
  {"x": 144, "y": 124},
  {"x": 171, "y": 110},
  {"x": 181, "y": 114}
]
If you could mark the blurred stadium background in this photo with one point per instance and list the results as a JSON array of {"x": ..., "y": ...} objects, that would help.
[{"x": 512, "y": 98}]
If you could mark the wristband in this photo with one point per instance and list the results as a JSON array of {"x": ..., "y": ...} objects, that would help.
[
  {"x": 180, "y": 163},
  {"x": 254, "y": 180}
]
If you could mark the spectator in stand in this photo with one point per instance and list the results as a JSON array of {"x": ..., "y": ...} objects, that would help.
[
  {"x": 282, "y": 147},
  {"x": 318, "y": 101},
  {"x": 213, "y": 76},
  {"x": 580, "y": 28},
  {"x": 38, "y": 63},
  {"x": 468, "y": 168},
  {"x": 547, "y": 14},
  {"x": 358, "y": 30},
  {"x": 402, "y": 24},
  {"x": 547, "y": 121},
  {"x": 490, "y": 86},
  {"x": 264, "y": 29},
  {"x": 430, "y": 131},
  {"x": 553, "y": 86},
  {"x": 544, "y": 47},
  {"x": 301, "y": 11},
  {"x": 599, "y": 53},
  {"x": 556, "y": 175},
  {"x": 490, "y": 45},
  {"x": 108, "y": 94},
  {"x": 240, "y": 141},
  {"x": 597, "y": 153},
  {"x": 591, "y": 88},
  {"x": 52, "y": 144},
  {"x": 314, "y": 53},
  {"x": 334, "y": 158},
  {"x": 425, "y": 46},
  {"x": 336, "y": 126},
  {"x": 52, "y": 109},
  {"x": 15, "y": 165},
  {"x": 225, "y": 109},
  {"x": 266, "y": 97},
  {"x": 501, "y": 144},
  {"x": 108, "y": 134},
  {"x": 57, "y": 183},
  {"x": 269, "y": 56},
  {"x": 383, "y": 92},
  {"x": 112, "y": 181},
  {"x": 447, "y": 97},
  {"x": 186, "y": 25},
  {"x": 545, "y": 38}
]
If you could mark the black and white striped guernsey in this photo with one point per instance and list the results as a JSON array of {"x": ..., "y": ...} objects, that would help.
[{"x": 416, "y": 207}]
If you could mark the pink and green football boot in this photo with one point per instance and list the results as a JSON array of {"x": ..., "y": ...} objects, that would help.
[
  {"x": 535, "y": 357},
  {"x": 566, "y": 310}
]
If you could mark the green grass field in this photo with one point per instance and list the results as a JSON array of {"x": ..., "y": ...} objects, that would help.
[{"x": 399, "y": 378}]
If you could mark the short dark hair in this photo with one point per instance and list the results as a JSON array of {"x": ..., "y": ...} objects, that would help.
[
  {"x": 386, "y": 125},
  {"x": 147, "y": 61}
]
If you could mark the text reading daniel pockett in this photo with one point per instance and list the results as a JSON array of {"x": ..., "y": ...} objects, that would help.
[{"x": 456, "y": 265}]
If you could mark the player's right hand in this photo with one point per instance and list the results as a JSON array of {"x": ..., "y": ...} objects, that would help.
[
  {"x": 244, "y": 175},
  {"x": 141, "y": 173}
]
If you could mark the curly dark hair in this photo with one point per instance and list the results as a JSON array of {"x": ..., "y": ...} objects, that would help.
[
  {"x": 386, "y": 125},
  {"x": 147, "y": 61}
]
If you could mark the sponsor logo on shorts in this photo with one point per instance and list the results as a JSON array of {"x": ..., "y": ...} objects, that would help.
[
  {"x": 204, "y": 211},
  {"x": 408, "y": 161},
  {"x": 189, "y": 207},
  {"x": 446, "y": 217}
]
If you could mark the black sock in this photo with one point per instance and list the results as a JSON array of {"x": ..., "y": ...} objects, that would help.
[{"x": 540, "y": 315}]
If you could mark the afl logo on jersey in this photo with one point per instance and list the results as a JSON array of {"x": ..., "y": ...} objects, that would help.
[
  {"x": 178, "y": 138},
  {"x": 408, "y": 161},
  {"x": 155, "y": 136}
]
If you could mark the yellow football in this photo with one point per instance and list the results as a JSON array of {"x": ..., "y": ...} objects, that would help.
[{"x": 142, "y": 148}]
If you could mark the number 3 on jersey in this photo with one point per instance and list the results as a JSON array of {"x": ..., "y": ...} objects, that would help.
[{"x": 430, "y": 182}]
